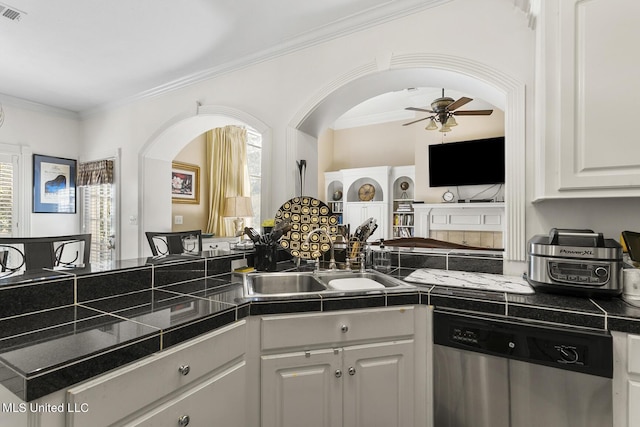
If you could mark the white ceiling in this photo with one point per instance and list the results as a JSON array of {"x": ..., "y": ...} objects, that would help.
[
  {"x": 391, "y": 106},
  {"x": 80, "y": 55}
]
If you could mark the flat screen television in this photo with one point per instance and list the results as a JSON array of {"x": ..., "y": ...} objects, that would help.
[{"x": 476, "y": 162}]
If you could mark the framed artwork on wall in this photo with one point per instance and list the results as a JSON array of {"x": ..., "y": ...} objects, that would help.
[
  {"x": 185, "y": 183},
  {"x": 54, "y": 184}
]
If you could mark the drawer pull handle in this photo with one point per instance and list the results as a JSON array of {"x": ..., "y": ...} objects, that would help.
[
  {"x": 338, "y": 373},
  {"x": 184, "y": 370},
  {"x": 344, "y": 329},
  {"x": 352, "y": 371},
  {"x": 183, "y": 421}
]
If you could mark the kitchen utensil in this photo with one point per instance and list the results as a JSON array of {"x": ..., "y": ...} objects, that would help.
[
  {"x": 253, "y": 234},
  {"x": 279, "y": 230}
]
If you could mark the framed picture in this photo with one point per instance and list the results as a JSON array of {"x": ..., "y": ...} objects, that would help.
[
  {"x": 185, "y": 183},
  {"x": 54, "y": 184}
]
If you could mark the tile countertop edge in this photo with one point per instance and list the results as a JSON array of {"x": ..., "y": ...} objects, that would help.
[{"x": 493, "y": 304}]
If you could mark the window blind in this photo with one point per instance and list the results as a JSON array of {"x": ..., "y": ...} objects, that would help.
[{"x": 6, "y": 198}]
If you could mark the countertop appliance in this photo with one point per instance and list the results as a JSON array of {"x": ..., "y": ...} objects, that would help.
[
  {"x": 494, "y": 373},
  {"x": 575, "y": 261}
]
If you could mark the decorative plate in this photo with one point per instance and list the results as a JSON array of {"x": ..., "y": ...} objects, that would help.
[
  {"x": 306, "y": 214},
  {"x": 366, "y": 192}
]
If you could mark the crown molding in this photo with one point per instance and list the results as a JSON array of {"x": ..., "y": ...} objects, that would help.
[
  {"x": 25, "y": 104},
  {"x": 350, "y": 24}
]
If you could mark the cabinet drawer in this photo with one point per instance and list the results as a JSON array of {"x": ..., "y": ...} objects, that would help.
[
  {"x": 115, "y": 395},
  {"x": 215, "y": 402},
  {"x": 634, "y": 354},
  {"x": 336, "y": 328}
]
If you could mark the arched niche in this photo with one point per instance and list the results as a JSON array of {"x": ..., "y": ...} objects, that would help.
[
  {"x": 158, "y": 153},
  {"x": 392, "y": 72}
]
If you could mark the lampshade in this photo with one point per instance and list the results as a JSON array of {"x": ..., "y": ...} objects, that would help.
[
  {"x": 238, "y": 207},
  {"x": 451, "y": 122},
  {"x": 445, "y": 128},
  {"x": 432, "y": 125}
]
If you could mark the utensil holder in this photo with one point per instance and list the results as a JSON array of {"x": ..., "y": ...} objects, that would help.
[
  {"x": 354, "y": 250},
  {"x": 266, "y": 257}
]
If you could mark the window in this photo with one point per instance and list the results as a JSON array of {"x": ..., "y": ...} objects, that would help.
[
  {"x": 254, "y": 166},
  {"x": 8, "y": 216},
  {"x": 97, "y": 208}
]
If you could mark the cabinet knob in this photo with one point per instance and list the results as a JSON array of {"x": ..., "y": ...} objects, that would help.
[
  {"x": 352, "y": 371},
  {"x": 184, "y": 370},
  {"x": 338, "y": 373},
  {"x": 183, "y": 421},
  {"x": 344, "y": 329}
]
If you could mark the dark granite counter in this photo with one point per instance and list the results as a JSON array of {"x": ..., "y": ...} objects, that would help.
[{"x": 67, "y": 326}]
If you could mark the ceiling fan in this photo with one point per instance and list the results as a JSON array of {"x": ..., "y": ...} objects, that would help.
[{"x": 443, "y": 111}]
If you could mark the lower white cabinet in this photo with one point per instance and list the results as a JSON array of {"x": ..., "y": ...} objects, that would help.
[
  {"x": 359, "y": 377},
  {"x": 216, "y": 401},
  {"x": 626, "y": 379},
  {"x": 201, "y": 380}
]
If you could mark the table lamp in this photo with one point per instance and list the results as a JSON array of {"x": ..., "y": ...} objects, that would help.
[{"x": 238, "y": 208}]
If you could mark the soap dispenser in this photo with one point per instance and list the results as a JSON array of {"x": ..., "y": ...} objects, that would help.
[{"x": 382, "y": 258}]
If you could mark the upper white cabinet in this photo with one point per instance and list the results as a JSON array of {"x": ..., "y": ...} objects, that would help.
[{"x": 586, "y": 87}]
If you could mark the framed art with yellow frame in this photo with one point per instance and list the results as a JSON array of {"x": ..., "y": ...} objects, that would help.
[{"x": 185, "y": 183}]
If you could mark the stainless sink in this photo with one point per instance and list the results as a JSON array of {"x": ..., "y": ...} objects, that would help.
[{"x": 283, "y": 284}]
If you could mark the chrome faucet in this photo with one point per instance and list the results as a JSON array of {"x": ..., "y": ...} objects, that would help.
[{"x": 332, "y": 260}]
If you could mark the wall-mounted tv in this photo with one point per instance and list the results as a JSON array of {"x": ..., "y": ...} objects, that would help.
[{"x": 480, "y": 161}]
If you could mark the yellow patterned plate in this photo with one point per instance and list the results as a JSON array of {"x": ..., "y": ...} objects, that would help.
[{"x": 306, "y": 214}]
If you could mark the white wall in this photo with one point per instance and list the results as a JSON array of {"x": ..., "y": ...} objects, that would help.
[
  {"x": 275, "y": 91},
  {"x": 42, "y": 131}
]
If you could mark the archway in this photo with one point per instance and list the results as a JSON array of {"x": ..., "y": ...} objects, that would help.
[
  {"x": 158, "y": 153},
  {"x": 394, "y": 72}
]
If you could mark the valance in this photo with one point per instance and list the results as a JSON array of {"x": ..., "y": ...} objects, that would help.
[{"x": 94, "y": 173}]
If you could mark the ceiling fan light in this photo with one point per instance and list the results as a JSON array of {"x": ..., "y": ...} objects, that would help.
[
  {"x": 445, "y": 128},
  {"x": 451, "y": 122},
  {"x": 432, "y": 125}
]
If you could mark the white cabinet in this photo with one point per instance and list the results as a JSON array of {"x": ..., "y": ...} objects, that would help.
[
  {"x": 216, "y": 401},
  {"x": 301, "y": 388},
  {"x": 588, "y": 56},
  {"x": 358, "y": 212},
  {"x": 378, "y": 387},
  {"x": 392, "y": 187},
  {"x": 191, "y": 380},
  {"x": 626, "y": 379},
  {"x": 339, "y": 369}
]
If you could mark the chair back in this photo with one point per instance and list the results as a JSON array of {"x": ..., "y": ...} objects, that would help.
[
  {"x": 174, "y": 242},
  {"x": 32, "y": 253}
]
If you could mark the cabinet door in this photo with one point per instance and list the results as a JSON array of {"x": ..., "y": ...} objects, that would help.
[
  {"x": 357, "y": 212},
  {"x": 216, "y": 401},
  {"x": 379, "y": 385},
  {"x": 302, "y": 389}
]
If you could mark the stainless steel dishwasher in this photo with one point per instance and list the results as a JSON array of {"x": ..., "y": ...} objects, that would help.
[{"x": 492, "y": 373}]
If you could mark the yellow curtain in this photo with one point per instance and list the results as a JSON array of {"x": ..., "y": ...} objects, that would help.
[{"x": 228, "y": 173}]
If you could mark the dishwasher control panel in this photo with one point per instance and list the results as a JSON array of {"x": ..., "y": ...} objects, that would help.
[{"x": 577, "y": 350}]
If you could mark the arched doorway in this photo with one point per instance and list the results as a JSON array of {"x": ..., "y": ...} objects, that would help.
[
  {"x": 410, "y": 70},
  {"x": 158, "y": 153}
]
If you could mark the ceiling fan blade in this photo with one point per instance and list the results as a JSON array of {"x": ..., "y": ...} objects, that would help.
[
  {"x": 473, "y": 113},
  {"x": 416, "y": 121},
  {"x": 418, "y": 109},
  {"x": 459, "y": 103}
]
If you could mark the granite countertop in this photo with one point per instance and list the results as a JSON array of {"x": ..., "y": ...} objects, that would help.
[{"x": 112, "y": 320}]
